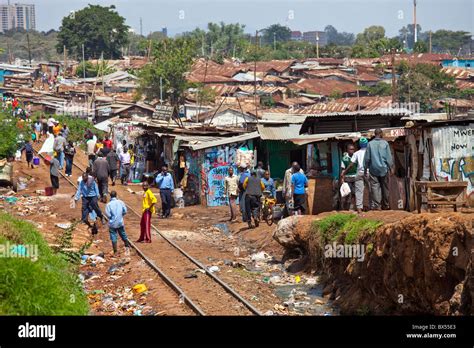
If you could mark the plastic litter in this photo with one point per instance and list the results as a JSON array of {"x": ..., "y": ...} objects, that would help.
[
  {"x": 345, "y": 190},
  {"x": 213, "y": 269},
  {"x": 64, "y": 226},
  {"x": 260, "y": 256},
  {"x": 139, "y": 288}
]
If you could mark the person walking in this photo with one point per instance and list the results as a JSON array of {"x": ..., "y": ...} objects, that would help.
[
  {"x": 287, "y": 187},
  {"x": 231, "y": 183},
  {"x": 58, "y": 146},
  {"x": 148, "y": 209},
  {"x": 164, "y": 181},
  {"x": 349, "y": 176},
  {"x": 44, "y": 126},
  {"x": 269, "y": 184},
  {"x": 378, "y": 161},
  {"x": 107, "y": 142},
  {"x": 54, "y": 174},
  {"x": 260, "y": 170},
  {"x": 357, "y": 161},
  {"x": 69, "y": 153},
  {"x": 131, "y": 151},
  {"x": 244, "y": 174},
  {"x": 299, "y": 183},
  {"x": 113, "y": 160},
  {"x": 125, "y": 166},
  {"x": 101, "y": 171},
  {"x": 115, "y": 211},
  {"x": 89, "y": 191},
  {"x": 28, "y": 148},
  {"x": 90, "y": 144},
  {"x": 253, "y": 192},
  {"x": 37, "y": 127},
  {"x": 65, "y": 131}
]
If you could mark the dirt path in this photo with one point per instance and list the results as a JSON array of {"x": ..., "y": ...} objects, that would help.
[{"x": 193, "y": 228}]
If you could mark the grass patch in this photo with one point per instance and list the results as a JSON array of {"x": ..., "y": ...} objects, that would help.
[
  {"x": 47, "y": 286},
  {"x": 347, "y": 226}
]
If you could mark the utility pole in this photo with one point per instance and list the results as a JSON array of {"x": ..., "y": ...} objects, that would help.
[
  {"x": 430, "y": 42},
  {"x": 141, "y": 26},
  {"x": 274, "y": 41},
  {"x": 29, "y": 48},
  {"x": 9, "y": 53},
  {"x": 394, "y": 78},
  {"x": 255, "y": 76},
  {"x": 65, "y": 59},
  {"x": 161, "y": 90},
  {"x": 414, "y": 21},
  {"x": 317, "y": 45}
]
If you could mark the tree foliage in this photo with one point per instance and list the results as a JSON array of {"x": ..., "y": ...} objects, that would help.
[
  {"x": 423, "y": 83},
  {"x": 336, "y": 38},
  {"x": 92, "y": 70},
  {"x": 277, "y": 33},
  {"x": 100, "y": 29},
  {"x": 42, "y": 45},
  {"x": 450, "y": 41},
  {"x": 172, "y": 59}
]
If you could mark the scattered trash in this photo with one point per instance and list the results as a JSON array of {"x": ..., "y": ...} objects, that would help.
[
  {"x": 275, "y": 280},
  {"x": 97, "y": 259},
  {"x": 268, "y": 313},
  {"x": 266, "y": 280},
  {"x": 190, "y": 275},
  {"x": 97, "y": 292},
  {"x": 139, "y": 288},
  {"x": 279, "y": 307},
  {"x": 297, "y": 279},
  {"x": 138, "y": 312},
  {"x": 223, "y": 228},
  {"x": 318, "y": 302},
  {"x": 40, "y": 192},
  {"x": 11, "y": 200},
  {"x": 260, "y": 256},
  {"x": 64, "y": 226},
  {"x": 311, "y": 281},
  {"x": 213, "y": 269}
]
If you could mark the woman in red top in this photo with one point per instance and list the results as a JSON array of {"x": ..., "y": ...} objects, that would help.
[{"x": 107, "y": 142}]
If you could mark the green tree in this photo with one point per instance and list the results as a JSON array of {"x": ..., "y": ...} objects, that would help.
[
  {"x": 172, "y": 59},
  {"x": 334, "y": 37},
  {"x": 92, "y": 70},
  {"x": 370, "y": 34},
  {"x": 11, "y": 135},
  {"x": 407, "y": 35},
  {"x": 423, "y": 83},
  {"x": 420, "y": 47},
  {"x": 100, "y": 29},
  {"x": 450, "y": 41},
  {"x": 276, "y": 33}
]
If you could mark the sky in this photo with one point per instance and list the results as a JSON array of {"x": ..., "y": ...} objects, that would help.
[{"x": 304, "y": 15}]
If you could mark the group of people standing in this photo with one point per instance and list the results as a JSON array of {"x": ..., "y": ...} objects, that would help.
[
  {"x": 249, "y": 186},
  {"x": 370, "y": 165}
]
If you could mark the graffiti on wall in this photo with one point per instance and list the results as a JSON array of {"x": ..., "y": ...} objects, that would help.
[
  {"x": 223, "y": 155},
  {"x": 454, "y": 155},
  {"x": 216, "y": 186}
]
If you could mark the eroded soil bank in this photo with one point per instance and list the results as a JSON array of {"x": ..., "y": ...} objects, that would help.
[{"x": 411, "y": 263}]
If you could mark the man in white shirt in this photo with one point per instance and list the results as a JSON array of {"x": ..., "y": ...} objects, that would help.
[
  {"x": 359, "y": 184},
  {"x": 125, "y": 164},
  {"x": 90, "y": 150}
]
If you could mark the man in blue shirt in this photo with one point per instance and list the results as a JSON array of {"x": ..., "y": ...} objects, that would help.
[
  {"x": 165, "y": 183},
  {"x": 89, "y": 191},
  {"x": 299, "y": 182},
  {"x": 115, "y": 210},
  {"x": 269, "y": 184},
  {"x": 378, "y": 160}
]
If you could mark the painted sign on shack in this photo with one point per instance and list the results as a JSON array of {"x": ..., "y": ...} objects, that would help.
[{"x": 454, "y": 155}]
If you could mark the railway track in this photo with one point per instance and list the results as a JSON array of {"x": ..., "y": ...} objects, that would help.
[{"x": 221, "y": 298}]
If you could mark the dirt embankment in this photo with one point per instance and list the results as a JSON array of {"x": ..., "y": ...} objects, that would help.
[{"x": 412, "y": 264}]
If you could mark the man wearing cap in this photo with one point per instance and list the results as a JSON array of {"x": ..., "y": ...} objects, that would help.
[
  {"x": 357, "y": 160},
  {"x": 378, "y": 161}
]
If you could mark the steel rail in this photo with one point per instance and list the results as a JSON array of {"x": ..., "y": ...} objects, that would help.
[
  {"x": 166, "y": 278},
  {"x": 197, "y": 263}
]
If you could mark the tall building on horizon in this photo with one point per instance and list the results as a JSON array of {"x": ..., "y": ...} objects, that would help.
[{"x": 17, "y": 16}]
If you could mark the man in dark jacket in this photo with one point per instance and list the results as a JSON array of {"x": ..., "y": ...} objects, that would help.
[
  {"x": 253, "y": 192},
  {"x": 101, "y": 171},
  {"x": 113, "y": 160}
]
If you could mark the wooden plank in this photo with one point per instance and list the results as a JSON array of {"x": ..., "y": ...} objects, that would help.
[{"x": 445, "y": 203}]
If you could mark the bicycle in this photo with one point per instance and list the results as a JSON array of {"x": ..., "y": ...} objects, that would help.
[{"x": 268, "y": 203}]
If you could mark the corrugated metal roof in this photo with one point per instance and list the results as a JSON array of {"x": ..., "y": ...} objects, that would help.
[
  {"x": 459, "y": 73},
  {"x": 278, "y": 132},
  {"x": 381, "y": 112},
  {"x": 223, "y": 141}
]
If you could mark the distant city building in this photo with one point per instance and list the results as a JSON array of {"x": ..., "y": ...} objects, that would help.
[
  {"x": 315, "y": 36},
  {"x": 164, "y": 31},
  {"x": 17, "y": 16},
  {"x": 296, "y": 36}
]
